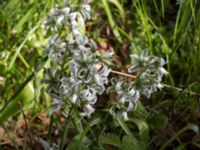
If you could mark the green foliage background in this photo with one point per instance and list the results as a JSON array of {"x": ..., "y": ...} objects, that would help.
[{"x": 169, "y": 29}]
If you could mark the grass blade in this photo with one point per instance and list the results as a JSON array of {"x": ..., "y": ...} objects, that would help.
[{"x": 111, "y": 21}]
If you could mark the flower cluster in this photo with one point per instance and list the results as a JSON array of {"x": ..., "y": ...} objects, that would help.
[
  {"x": 76, "y": 75},
  {"x": 127, "y": 98},
  {"x": 149, "y": 70},
  {"x": 60, "y": 17},
  {"x": 76, "y": 53}
]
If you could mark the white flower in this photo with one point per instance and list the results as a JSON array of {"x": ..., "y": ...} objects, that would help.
[
  {"x": 86, "y": 12},
  {"x": 87, "y": 8},
  {"x": 60, "y": 20},
  {"x": 74, "y": 98},
  {"x": 66, "y": 11},
  {"x": 130, "y": 106},
  {"x": 118, "y": 87},
  {"x": 123, "y": 98},
  {"x": 160, "y": 86},
  {"x": 163, "y": 71},
  {"x": 88, "y": 110},
  {"x": 125, "y": 116},
  {"x": 53, "y": 11},
  {"x": 89, "y": 95},
  {"x": 76, "y": 20}
]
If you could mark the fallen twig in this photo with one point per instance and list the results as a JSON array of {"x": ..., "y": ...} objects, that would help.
[{"x": 165, "y": 85}]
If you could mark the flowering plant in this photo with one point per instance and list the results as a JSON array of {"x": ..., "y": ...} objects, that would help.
[{"x": 76, "y": 75}]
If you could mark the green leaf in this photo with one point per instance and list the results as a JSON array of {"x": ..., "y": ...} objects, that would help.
[
  {"x": 141, "y": 110},
  {"x": 158, "y": 121},
  {"x": 64, "y": 135},
  {"x": 110, "y": 139},
  {"x": 11, "y": 4},
  {"x": 24, "y": 98},
  {"x": 76, "y": 145},
  {"x": 24, "y": 19},
  {"x": 143, "y": 129},
  {"x": 18, "y": 50},
  {"x": 129, "y": 144},
  {"x": 181, "y": 147},
  {"x": 192, "y": 127},
  {"x": 111, "y": 20},
  {"x": 124, "y": 126},
  {"x": 120, "y": 8}
]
